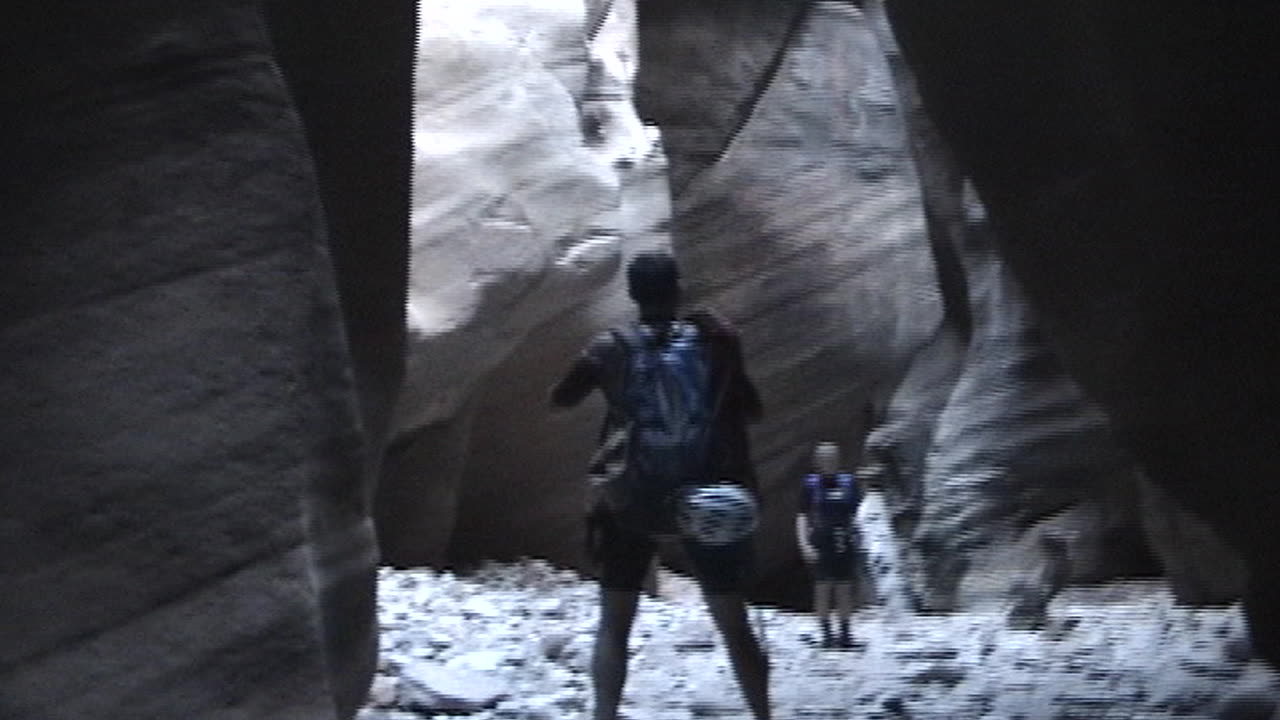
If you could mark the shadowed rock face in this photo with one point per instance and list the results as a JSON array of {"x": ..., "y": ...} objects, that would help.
[
  {"x": 193, "y": 399},
  {"x": 1123, "y": 153},
  {"x": 1008, "y": 454}
]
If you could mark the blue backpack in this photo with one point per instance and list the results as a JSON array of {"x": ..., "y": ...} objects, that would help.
[
  {"x": 831, "y": 509},
  {"x": 670, "y": 409}
]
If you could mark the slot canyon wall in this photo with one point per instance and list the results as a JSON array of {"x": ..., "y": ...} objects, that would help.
[
  {"x": 1128, "y": 170},
  {"x": 813, "y": 202},
  {"x": 203, "y": 296}
]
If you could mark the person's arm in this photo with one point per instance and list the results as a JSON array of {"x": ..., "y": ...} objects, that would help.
[
  {"x": 804, "y": 529},
  {"x": 807, "y": 550},
  {"x": 742, "y": 389},
  {"x": 582, "y": 378},
  {"x": 576, "y": 385}
]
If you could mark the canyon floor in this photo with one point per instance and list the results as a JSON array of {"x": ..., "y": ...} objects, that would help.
[{"x": 514, "y": 641}]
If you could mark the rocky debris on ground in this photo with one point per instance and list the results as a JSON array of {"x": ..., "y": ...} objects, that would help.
[{"x": 513, "y": 642}]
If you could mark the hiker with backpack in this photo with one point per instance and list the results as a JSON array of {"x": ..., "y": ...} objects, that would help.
[
  {"x": 674, "y": 464},
  {"x": 828, "y": 540}
]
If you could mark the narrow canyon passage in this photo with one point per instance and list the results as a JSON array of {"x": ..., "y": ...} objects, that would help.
[{"x": 283, "y": 287}]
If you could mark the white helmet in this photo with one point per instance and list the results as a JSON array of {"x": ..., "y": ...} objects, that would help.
[{"x": 717, "y": 514}]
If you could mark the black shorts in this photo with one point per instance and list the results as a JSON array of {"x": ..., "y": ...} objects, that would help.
[
  {"x": 835, "y": 567},
  {"x": 623, "y": 557},
  {"x": 838, "y": 555}
]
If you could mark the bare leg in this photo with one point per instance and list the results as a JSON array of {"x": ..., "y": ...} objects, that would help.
[
  {"x": 750, "y": 665},
  {"x": 609, "y": 663},
  {"x": 822, "y": 609},
  {"x": 844, "y": 609}
]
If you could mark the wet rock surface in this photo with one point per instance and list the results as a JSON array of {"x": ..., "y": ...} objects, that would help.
[{"x": 518, "y": 637}]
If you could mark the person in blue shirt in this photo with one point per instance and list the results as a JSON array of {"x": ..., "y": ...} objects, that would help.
[{"x": 827, "y": 535}]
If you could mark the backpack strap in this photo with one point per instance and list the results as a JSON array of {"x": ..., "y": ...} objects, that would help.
[
  {"x": 632, "y": 339},
  {"x": 722, "y": 389}
]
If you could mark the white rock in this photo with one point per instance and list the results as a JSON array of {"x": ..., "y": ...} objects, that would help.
[
  {"x": 485, "y": 661},
  {"x": 431, "y": 687},
  {"x": 382, "y": 693},
  {"x": 550, "y": 607},
  {"x": 381, "y": 714},
  {"x": 438, "y": 641},
  {"x": 540, "y": 707},
  {"x": 482, "y": 606}
]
